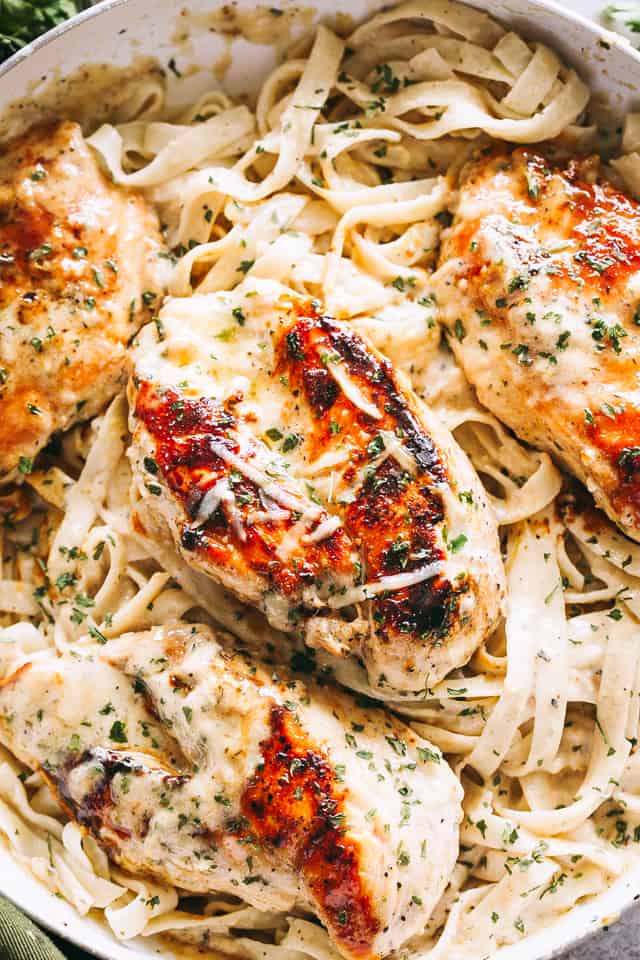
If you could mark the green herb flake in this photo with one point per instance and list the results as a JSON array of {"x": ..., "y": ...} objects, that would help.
[
  {"x": 118, "y": 732},
  {"x": 459, "y": 330},
  {"x": 291, "y": 442},
  {"x": 398, "y": 745},
  {"x": 97, "y": 634}
]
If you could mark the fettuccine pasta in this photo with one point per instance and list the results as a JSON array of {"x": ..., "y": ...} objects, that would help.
[{"x": 337, "y": 184}]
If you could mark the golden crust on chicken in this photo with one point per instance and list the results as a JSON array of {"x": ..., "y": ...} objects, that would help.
[
  {"x": 292, "y": 464},
  {"x": 539, "y": 287},
  {"x": 79, "y": 272},
  {"x": 210, "y": 772}
]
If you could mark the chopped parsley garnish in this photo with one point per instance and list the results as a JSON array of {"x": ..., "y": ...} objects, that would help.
[
  {"x": 375, "y": 447},
  {"x": 533, "y": 186},
  {"x": 291, "y": 442},
  {"x": 457, "y": 543},
  {"x": 398, "y": 552},
  {"x": 614, "y": 334},
  {"x": 97, "y": 634},
  {"x": 294, "y": 345},
  {"x": 521, "y": 351},
  {"x": 629, "y": 460},
  {"x": 399, "y": 746},
  {"x": 386, "y": 79},
  {"x": 39, "y": 253},
  {"x": 376, "y": 106},
  {"x": 66, "y": 579},
  {"x": 401, "y": 283},
  {"x": 519, "y": 282},
  {"x": 459, "y": 330},
  {"x": 118, "y": 732}
]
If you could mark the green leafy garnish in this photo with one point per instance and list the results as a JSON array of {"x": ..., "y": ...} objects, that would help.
[{"x": 23, "y": 20}]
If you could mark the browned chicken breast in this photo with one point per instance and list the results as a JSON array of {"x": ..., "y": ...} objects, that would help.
[
  {"x": 539, "y": 287},
  {"x": 292, "y": 464},
  {"x": 79, "y": 272},
  {"x": 208, "y": 771}
]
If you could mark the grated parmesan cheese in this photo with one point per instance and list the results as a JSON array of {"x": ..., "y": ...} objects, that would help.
[
  {"x": 397, "y": 581},
  {"x": 352, "y": 391}
]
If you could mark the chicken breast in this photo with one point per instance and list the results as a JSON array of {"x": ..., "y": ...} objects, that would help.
[
  {"x": 204, "y": 769},
  {"x": 79, "y": 272},
  {"x": 539, "y": 287},
  {"x": 293, "y": 465}
]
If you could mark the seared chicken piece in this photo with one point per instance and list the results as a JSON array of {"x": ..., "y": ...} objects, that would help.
[
  {"x": 539, "y": 288},
  {"x": 292, "y": 465},
  {"x": 78, "y": 273},
  {"x": 283, "y": 793}
]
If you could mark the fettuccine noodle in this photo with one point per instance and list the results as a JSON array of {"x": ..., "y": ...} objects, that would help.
[{"x": 337, "y": 184}]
